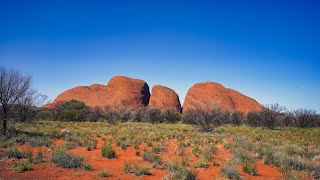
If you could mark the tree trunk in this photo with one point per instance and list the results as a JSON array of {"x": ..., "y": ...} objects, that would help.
[{"x": 4, "y": 120}]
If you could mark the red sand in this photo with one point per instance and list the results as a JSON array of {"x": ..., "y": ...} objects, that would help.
[{"x": 48, "y": 170}]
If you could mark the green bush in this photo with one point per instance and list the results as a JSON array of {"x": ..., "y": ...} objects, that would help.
[
  {"x": 66, "y": 160},
  {"x": 178, "y": 171},
  {"x": 230, "y": 171},
  {"x": 108, "y": 151},
  {"x": 141, "y": 170},
  {"x": 13, "y": 152},
  {"x": 87, "y": 167},
  {"x": 22, "y": 166},
  {"x": 104, "y": 173},
  {"x": 151, "y": 157},
  {"x": 201, "y": 163},
  {"x": 127, "y": 166},
  {"x": 250, "y": 169}
]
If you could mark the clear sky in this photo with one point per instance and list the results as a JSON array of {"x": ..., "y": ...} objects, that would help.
[{"x": 268, "y": 50}]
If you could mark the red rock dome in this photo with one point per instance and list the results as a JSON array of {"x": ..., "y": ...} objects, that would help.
[
  {"x": 210, "y": 95},
  {"x": 164, "y": 98}
]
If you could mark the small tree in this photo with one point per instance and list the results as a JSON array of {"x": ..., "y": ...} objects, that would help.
[
  {"x": 170, "y": 116},
  {"x": 28, "y": 103},
  {"x": 270, "y": 115},
  {"x": 304, "y": 117},
  {"x": 13, "y": 86},
  {"x": 253, "y": 118},
  {"x": 206, "y": 119},
  {"x": 154, "y": 115},
  {"x": 112, "y": 116},
  {"x": 236, "y": 118}
]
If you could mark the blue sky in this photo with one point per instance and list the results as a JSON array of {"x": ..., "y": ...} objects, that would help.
[{"x": 268, "y": 50}]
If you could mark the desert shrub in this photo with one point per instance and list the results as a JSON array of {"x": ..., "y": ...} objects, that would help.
[
  {"x": 13, "y": 152},
  {"x": 127, "y": 166},
  {"x": 178, "y": 171},
  {"x": 141, "y": 170},
  {"x": 87, "y": 167},
  {"x": 112, "y": 116},
  {"x": 206, "y": 119},
  {"x": 94, "y": 115},
  {"x": 139, "y": 115},
  {"x": 69, "y": 145},
  {"x": 196, "y": 151},
  {"x": 137, "y": 153},
  {"x": 124, "y": 115},
  {"x": 236, "y": 118},
  {"x": 154, "y": 115},
  {"x": 72, "y": 110},
  {"x": 46, "y": 114},
  {"x": 66, "y": 160},
  {"x": 287, "y": 120},
  {"x": 157, "y": 149},
  {"x": 215, "y": 164},
  {"x": 230, "y": 171},
  {"x": 29, "y": 155},
  {"x": 73, "y": 115},
  {"x": 170, "y": 116},
  {"x": 207, "y": 156},
  {"x": 104, "y": 173},
  {"x": 253, "y": 118},
  {"x": 39, "y": 155},
  {"x": 108, "y": 151},
  {"x": 201, "y": 163},
  {"x": 39, "y": 141},
  {"x": 211, "y": 149},
  {"x": 304, "y": 118},
  {"x": 22, "y": 166},
  {"x": 270, "y": 116},
  {"x": 250, "y": 169},
  {"x": 151, "y": 157},
  {"x": 90, "y": 144}
]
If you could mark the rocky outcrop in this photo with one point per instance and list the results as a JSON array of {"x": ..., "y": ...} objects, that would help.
[
  {"x": 210, "y": 95},
  {"x": 164, "y": 98},
  {"x": 121, "y": 92},
  {"x": 129, "y": 93}
]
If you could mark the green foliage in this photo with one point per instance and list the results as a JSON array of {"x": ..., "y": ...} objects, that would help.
[
  {"x": 13, "y": 152},
  {"x": 151, "y": 157},
  {"x": 87, "y": 167},
  {"x": 141, "y": 170},
  {"x": 215, "y": 164},
  {"x": 66, "y": 160},
  {"x": 250, "y": 169},
  {"x": 127, "y": 166},
  {"x": 230, "y": 171},
  {"x": 104, "y": 173},
  {"x": 22, "y": 166},
  {"x": 201, "y": 163},
  {"x": 108, "y": 151},
  {"x": 179, "y": 172}
]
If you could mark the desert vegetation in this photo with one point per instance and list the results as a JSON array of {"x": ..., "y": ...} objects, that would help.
[{"x": 174, "y": 151}]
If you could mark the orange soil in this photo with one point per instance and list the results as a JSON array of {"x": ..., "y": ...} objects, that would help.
[{"x": 48, "y": 170}]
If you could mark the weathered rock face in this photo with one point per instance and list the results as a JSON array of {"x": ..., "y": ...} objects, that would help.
[
  {"x": 124, "y": 92},
  {"x": 92, "y": 96},
  {"x": 164, "y": 98},
  {"x": 121, "y": 92},
  {"x": 209, "y": 95}
]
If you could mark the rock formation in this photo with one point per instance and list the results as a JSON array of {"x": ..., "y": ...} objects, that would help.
[
  {"x": 127, "y": 93},
  {"x": 121, "y": 92},
  {"x": 210, "y": 95},
  {"x": 164, "y": 98},
  {"x": 124, "y": 92}
]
